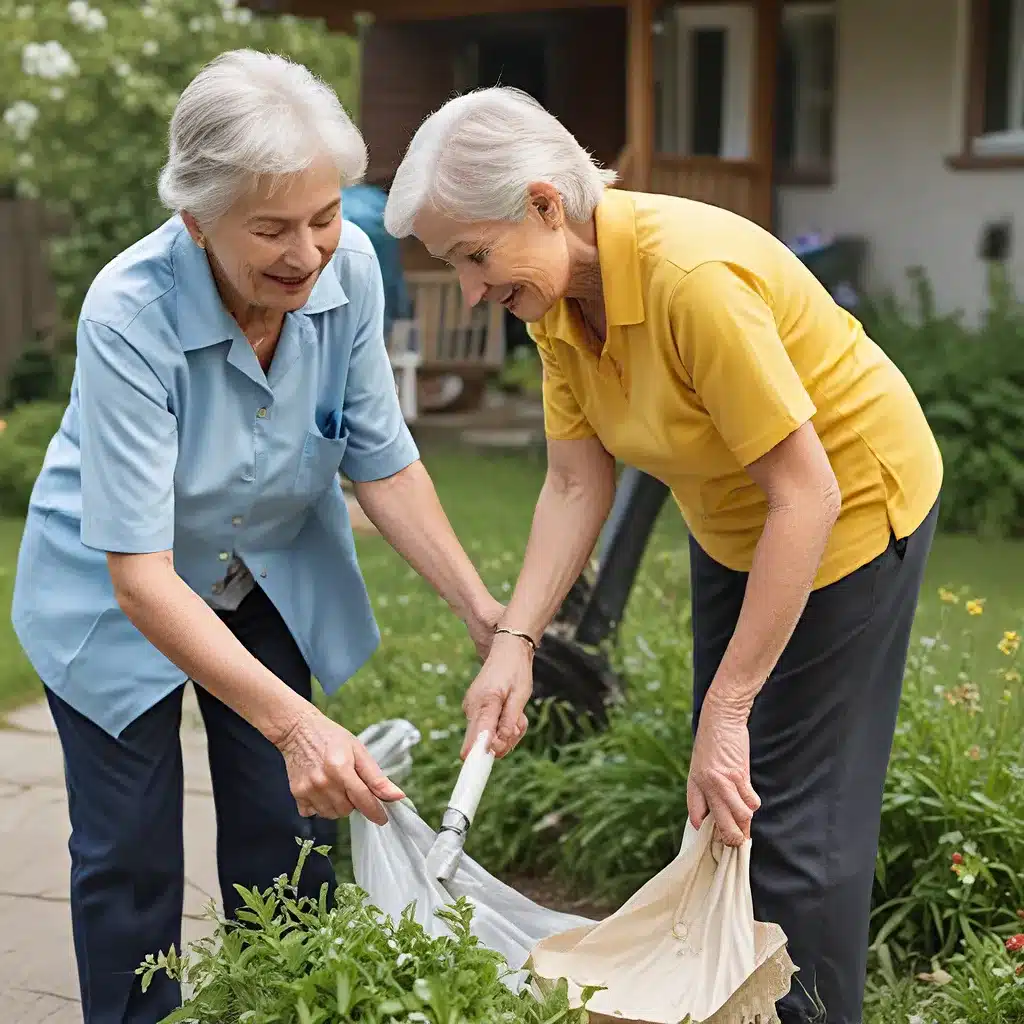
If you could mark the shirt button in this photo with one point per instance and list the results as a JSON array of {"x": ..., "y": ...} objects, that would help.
[
  {"x": 236, "y": 520},
  {"x": 261, "y": 412},
  {"x": 263, "y": 573},
  {"x": 224, "y": 556}
]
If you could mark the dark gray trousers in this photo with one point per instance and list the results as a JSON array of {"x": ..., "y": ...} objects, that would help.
[{"x": 821, "y": 733}]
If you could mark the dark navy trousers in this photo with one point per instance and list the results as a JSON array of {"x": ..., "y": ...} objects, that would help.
[
  {"x": 821, "y": 733},
  {"x": 125, "y": 802}
]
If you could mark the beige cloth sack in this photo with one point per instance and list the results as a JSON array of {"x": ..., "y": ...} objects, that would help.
[{"x": 685, "y": 948}]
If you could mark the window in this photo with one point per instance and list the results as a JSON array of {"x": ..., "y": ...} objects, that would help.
[
  {"x": 994, "y": 123},
  {"x": 805, "y": 108}
]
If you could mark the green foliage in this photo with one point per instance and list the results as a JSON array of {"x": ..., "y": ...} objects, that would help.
[
  {"x": 87, "y": 90},
  {"x": 970, "y": 382},
  {"x": 23, "y": 440},
  {"x": 296, "y": 960},
  {"x": 40, "y": 373}
]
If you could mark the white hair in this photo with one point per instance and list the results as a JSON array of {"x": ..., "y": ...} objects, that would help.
[
  {"x": 247, "y": 115},
  {"x": 476, "y": 157}
]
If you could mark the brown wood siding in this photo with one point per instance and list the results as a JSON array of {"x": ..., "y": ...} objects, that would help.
[{"x": 408, "y": 71}]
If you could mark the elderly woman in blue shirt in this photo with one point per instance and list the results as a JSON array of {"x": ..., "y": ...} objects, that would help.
[{"x": 188, "y": 522}]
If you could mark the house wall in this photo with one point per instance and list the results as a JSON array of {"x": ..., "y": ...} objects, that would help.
[
  {"x": 899, "y": 111},
  {"x": 410, "y": 69}
]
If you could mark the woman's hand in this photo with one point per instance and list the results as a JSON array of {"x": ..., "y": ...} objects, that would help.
[
  {"x": 481, "y": 623},
  {"x": 496, "y": 700},
  {"x": 331, "y": 773},
  {"x": 719, "y": 781}
]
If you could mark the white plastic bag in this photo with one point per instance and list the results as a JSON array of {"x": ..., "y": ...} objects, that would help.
[
  {"x": 684, "y": 947},
  {"x": 389, "y": 863}
]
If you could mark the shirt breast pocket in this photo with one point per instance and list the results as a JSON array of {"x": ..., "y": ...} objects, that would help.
[{"x": 319, "y": 463}]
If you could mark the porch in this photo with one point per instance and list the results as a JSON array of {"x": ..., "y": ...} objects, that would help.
[{"x": 679, "y": 97}]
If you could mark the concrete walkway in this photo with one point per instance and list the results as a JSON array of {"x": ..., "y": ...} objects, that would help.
[{"x": 38, "y": 980}]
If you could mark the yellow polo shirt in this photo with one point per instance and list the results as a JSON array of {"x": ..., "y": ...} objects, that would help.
[{"x": 720, "y": 343}]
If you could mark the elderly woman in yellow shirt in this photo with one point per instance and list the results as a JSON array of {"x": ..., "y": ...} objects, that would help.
[{"x": 690, "y": 343}]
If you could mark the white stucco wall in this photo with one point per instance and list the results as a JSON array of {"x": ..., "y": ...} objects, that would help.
[{"x": 899, "y": 109}]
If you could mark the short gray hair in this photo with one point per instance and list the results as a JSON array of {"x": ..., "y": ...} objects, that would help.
[
  {"x": 475, "y": 158},
  {"x": 246, "y": 115}
]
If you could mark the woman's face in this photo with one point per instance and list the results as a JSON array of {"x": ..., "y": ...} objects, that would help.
[
  {"x": 271, "y": 245},
  {"x": 523, "y": 265}
]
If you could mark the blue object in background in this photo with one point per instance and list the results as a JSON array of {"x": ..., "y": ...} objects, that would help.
[{"x": 363, "y": 205}]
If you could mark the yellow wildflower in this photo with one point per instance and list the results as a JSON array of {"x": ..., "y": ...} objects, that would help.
[
  {"x": 1010, "y": 643},
  {"x": 975, "y": 606},
  {"x": 965, "y": 693},
  {"x": 948, "y": 596}
]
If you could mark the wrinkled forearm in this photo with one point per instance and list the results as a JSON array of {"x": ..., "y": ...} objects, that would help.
[
  {"x": 785, "y": 563},
  {"x": 406, "y": 510},
  {"x": 566, "y": 523},
  {"x": 176, "y": 620}
]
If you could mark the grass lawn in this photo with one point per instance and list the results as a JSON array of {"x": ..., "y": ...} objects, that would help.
[{"x": 489, "y": 497}]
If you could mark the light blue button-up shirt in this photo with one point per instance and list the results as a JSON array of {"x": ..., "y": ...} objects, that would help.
[{"x": 175, "y": 439}]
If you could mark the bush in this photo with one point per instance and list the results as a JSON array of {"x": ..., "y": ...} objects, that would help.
[
  {"x": 970, "y": 382},
  {"x": 86, "y": 93},
  {"x": 295, "y": 960},
  {"x": 24, "y": 438}
]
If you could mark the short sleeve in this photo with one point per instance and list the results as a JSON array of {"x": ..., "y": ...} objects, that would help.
[
  {"x": 564, "y": 420},
  {"x": 379, "y": 442},
  {"x": 129, "y": 446},
  {"x": 729, "y": 343}
]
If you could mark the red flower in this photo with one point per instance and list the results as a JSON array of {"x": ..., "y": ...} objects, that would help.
[
  {"x": 1015, "y": 943},
  {"x": 958, "y": 858}
]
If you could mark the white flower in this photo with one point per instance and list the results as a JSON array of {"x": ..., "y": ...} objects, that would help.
[
  {"x": 195, "y": 25},
  {"x": 26, "y": 161},
  {"x": 441, "y": 700},
  {"x": 403, "y": 599},
  {"x": 426, "y": 667},
  {"x": 122, "y": 69},
  {"x": 20, "y": 117},
  {"x": 442, "y": 669},
  {"x": 86, "y": 17},
  {"x": 24, "y": 12},
  {"x": 927, "y": 642},
  {"x": 148, "y": 11},
  {"x": 56, "y": 92},
  {"x": 47, "y": 60},
  {"x": 440, "y": 734},
  {"x": 654, "y": 685},
  {"x": 150, "y": 47},
  {"x": 243, "y": 15}
]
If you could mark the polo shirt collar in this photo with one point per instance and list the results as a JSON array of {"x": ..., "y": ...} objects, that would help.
[
  {"x": 203, "y": 318},
  {"x": 618, "y": 254}
]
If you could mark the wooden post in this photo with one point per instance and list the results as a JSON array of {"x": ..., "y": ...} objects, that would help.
[
  {"x": 769, "y": 22},
  {"x": 640, "y": 94}
]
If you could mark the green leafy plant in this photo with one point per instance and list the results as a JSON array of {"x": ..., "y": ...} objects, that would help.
[
  {"x": 970, "y": 382},
  {"x": 24, "y": 437},
  {"x": 337, "y": 959}
]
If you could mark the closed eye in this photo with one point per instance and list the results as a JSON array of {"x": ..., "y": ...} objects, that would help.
[{"x": 477, "y": 257}]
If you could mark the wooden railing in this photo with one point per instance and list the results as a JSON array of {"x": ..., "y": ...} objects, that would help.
[{"x": 732, "y": 184}]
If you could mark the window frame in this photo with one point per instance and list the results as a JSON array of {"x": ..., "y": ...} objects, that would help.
[
  {"x": 969, "y": 158},
  {"x": 823, "y": 175}
]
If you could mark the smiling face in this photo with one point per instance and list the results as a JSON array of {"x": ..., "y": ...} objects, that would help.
[
  {"x": 523, "y": 265},
  {"x": 269, "y": 248}
]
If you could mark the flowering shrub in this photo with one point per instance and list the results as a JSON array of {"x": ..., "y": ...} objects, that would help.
[{"x": 86, "y": 92}]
